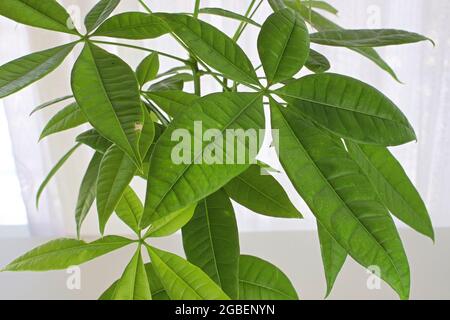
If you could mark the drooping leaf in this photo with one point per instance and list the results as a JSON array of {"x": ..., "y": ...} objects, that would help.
[
  {"x": 129, "y": 209},
  {"x": 48, "y": 14},
  {"x": 261, "y": 194},
  {"x": 50, "y": 103},
  {"x": 333, "y": 257},
  {"x": 133, "y": 25},
  {"x": 115, "y": 174},
  {"x": 63, "y": 253},
  {"x": 261, "y": 280},
  {"x": 340, "y": 196},
  {"x": 94, "y": 140},
  {"x": 393, "y": 186},
  {"x": 173, "y": 102},
  {"x": 99, "y": 13},
  {"x": 148, "y": 69},
  {"x": 171, "y": 223},
  {"x": 107, "y": 91},
  {"x": 211, "y": 241},
  {"x": 22, "y": 72},
  {"x": 283, "y": 45},
  {"x": 349, "y": 108},
  {"x": 68, "y": 118},
  {"x": 88, "y": 190},
  {"x": 199, "y": 173},
  {"x": 228, "y": 14},
  {"x": 182, "y": 280},
  {"x": 317, "y": 62},
  {"x": 213, "y": 47}
]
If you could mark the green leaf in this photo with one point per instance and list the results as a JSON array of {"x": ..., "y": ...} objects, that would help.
[
  {"x": 54, "y": 171},
  {"x": 94, "y": 140},
  {"x": 147, "y": 134},
  {"x": 115, "y": 174},
  {"x": 228, "y": 14},
  {"x": 133, "y": 285},
  {"x": 99, "y": 13},
  {"x": 341, "y": 197},
  {"x": 211, "y": 241},
  {"x": 349, "y": 108},
  {"x": 261, "y": 280},
  {"x": 333, "y": 257},
  {"x": 63, "y": 253},
  {"x": 182, "y": 280},
  {"x": 393, "y": 186},
  {"x": 148, "y": 69},
  {"x": 191, "y": 175},
  {"x": 322, "y": 5},
  {"x": 317, "y": 62},
  {"x": 283, "y": 45},
  {"x": 68, "y": 118},
  {"x": 175, "y": 82},
  {"x": 133, "y": 25},
  {"x": 88, "y": 191},
  {"x": 48, "y": 14},
  {"x": 277, "y": 5},
  {"x": 262, "y": 194},
  {"x": 171, "y": 223},
  {"x": 50, "y": 103},
  {"x": 366, "y": 38},
  {"x": 129, "y": 209},
  {"x": 107, "y": 91},
  {"x": 173, "y": 102},
  {"x": 213, "y": 46},
  {"x": 22, "y": 72}
]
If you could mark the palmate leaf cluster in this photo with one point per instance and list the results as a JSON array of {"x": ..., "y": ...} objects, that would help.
[{"x": 334, "y": 134}]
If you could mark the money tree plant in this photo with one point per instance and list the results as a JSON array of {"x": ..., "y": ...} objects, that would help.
[{"x": 333, "y": 137}]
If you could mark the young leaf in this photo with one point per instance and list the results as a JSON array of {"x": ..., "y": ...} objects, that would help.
[
  {"x": 333, "y": 257},
  {"x": 88, "y": 191},
  {"x": 366, "y": 38},
  {"x": 130, "y": 209},
  {"x": 22, "y": 72},
  {"x": 92, "y": 139},
  {"x": 211, "y": 241},
  {"x": 115, "y": 174},
  {"x": 341, "y": 197},
  {"x": 283, "y": 45},
  {"x": 133, "y": 285},
  {"x": 107, "y": 91},
  {"x": 349, "y": 108},
  {"x": 99, "y": 13},
  {"x": 63, "y": 253},
  {"x": 261, "y": 194},
  {"x": 261, "y": 280},
  {"x": 68, "y": 118},
  {"x": 47, "y": 14},
  {"x": 393, "y": 186},
  {"x": 133, "y": 25},
  {"x": 171, "y": 223},
  {"x": 172, "y": 102},
  {"x": 228, "y": 14},
  {"x": 213, "y": 47},
  {"x": 148, "y": 69},
  {"x": 50, "y": 103},
  {"x": 317, "y": 62},
  {"x": 192, "y": 173},
  {"x": 182, "y": 280}
]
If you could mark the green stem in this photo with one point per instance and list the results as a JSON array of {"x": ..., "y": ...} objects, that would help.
[
  {"x": 249, "y": 9},
  {"x": 251, "y": 16},
  {"x": 158, "y": 113},
  {"x": 145, "y": 6},
  {"x": 197, "y": 8}
]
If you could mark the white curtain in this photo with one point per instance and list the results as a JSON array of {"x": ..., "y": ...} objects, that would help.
[{"x": 424, "y": 70}]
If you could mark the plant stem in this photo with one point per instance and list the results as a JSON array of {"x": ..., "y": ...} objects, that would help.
[
  {"x": 195, "y": 73},
  {"x": 251, "y": 16},
  {"x": 249, "y": 9},
  {"x": 196, "y": 8},
  {"x": 158, "y": 113},
  {"x": 145, "y": 6}
]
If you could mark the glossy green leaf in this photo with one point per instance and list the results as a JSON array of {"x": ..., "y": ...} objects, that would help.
[
  {"x": 198, "y": 173},
  {"x": 366, "y": 37},
  {"x": 94, "y": 140},
  {"x": 349, "y": 108},
  {"x": 173, "y": 102},
  {"x": 63, "y": 253},
  {"x": 133, "y": 25},
  {"x": 228, "y": 14},
  {"x": 211, "y": 241},
  {"x": 341, "y": 197},
  {"x": 54, "y": 171},
  {"x": 283, "y": 45},
  {"x": 212, "y": 46},
  {"x": 393, "y": 186},
  {"x": 175, "y": 82},
  {"x": 22, "y": 72},
  {"x": 50, "y": 103},
  {"x": 261, "y": 280},
  {"x": 48, "y": 14},
  {"x": 171, "y": 223},
  {"x": 133, "y": 285},
  {"x": 115, "y": 174},
  {"x": 88, "y": 191},
  {"x": 277, "y": 5},
  {"x": 129, "y": 209},
  {"x": 68, "y": 118},
  {"x": 148, "y": 69},
  {"x": 99, "y": 13},
  {"x": 107, "y": 91},
  {"x": 333, "y": 257},
  {"x": 182, "y": 280},
  {"x": 262, "y": 194},
  {"x": 317, "y": 62}
]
